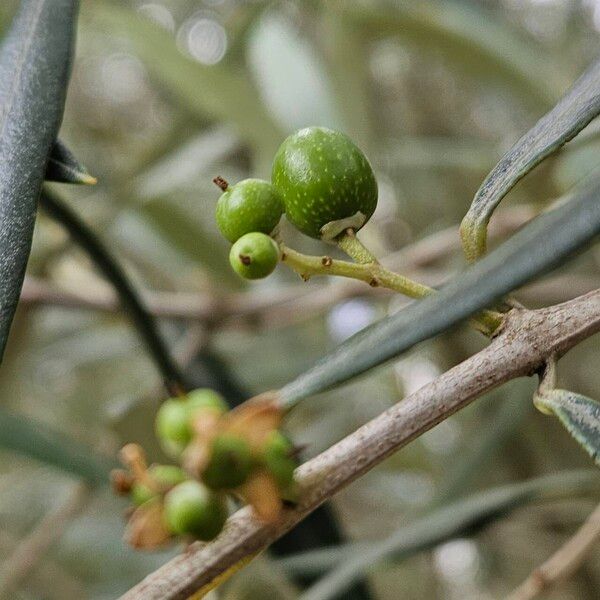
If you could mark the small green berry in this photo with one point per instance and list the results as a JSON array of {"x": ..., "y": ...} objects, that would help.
[
  {"x": 277, "y": 457},
  {"x": 141, "y": 493},
  {"x": 172, "y": 426},
  {"x": 203, "y": 398},
  {"x": 323, "y": 178},
  {"x": 192, "y": 509},
  {"x": 254, "y": 256},
  {"x": 164, "y": 476},
  {"x": 230, "y": 462},
  {"x": 250, "y": 205}
]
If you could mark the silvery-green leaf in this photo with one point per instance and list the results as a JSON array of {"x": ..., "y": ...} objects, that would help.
[
  {"x": 575, "y": 110},
  {"x": 35, "y": 62},
  {"x": 36, "y": 440},
  {"x": 480, "y": 41},
  {"x": 580, "y": 416}
]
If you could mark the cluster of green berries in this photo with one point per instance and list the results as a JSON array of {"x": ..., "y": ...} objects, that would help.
[
  {"x": 230, "y": 458},
  {"x": 217, "y": 457},
  {"x": 321, "y": 181}
]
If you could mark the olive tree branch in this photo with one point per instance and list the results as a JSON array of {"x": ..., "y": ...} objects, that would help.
[
  {"x": 563, "y": 563},
  {"x": 527, "y": 339}
]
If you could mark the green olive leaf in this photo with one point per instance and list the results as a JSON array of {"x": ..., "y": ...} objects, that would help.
[
  {"x": 223, "y": 91},
  {"x": 40, "y": 442},
  {"x": 540, "y": 246},
  {"x": 35, "y": 61},
  {"x": 63, "y": 167},
  {"x": 579, "y": 414},
  {"x": 346, "y": 563},
  {"x": 478, "y": 40},
  {"x": 573, "y": 112}
]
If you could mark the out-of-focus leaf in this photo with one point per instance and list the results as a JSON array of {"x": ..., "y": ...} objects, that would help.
[
  {"x": 344, "y": 48},
  {"x": 436, "y": 153},
  {"x": 222, "y": 91},
  {"x": 538, "y": 247},
  {"x": 35, "y": 61},
  {"x": 38, "y": 441},
  {"x": 574, "y": 111},
  {"x": 580, "y": 416},
  {"x": 186, "y": 235},
  {"x": 474, "y": 37},
  {"x": 63, "y": 167},
  {"x": 451, "y": 520},
  {"x": 290, "y": 75}
]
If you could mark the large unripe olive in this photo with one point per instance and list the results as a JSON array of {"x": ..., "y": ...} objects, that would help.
[
  {"x": 324, "y": 178},
  {"x": 250, "y": 205},
  {"x": 192, "y": 509}
]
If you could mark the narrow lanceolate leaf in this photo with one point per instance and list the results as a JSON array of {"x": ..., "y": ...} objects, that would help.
[
  {"x": 573, "y": 112},
  {"x": 63, "y": 167},
  {"x": 579, "y": 414},
  {"x": 541, "y": 245},
  {"x": 35, "y": 63},
  {"x": 465, "y": 515},
  {"x": 35, "y": 440}
]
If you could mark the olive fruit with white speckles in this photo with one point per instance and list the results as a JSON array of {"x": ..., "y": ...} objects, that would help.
[
  {"x": 325, "y": 180},
  {"x": 254, "y": 256},
  {"x": 250, "y": 205}
]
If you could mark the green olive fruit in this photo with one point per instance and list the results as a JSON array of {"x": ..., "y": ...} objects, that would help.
[
  {"x": 191, "y": 508},
  {"x": 230, "y": 462},
  {"x": 254, "y": 256},
  {"x": 164, "y": 476},
  {"x": 172, "y": 426},
  {"x": 277, "y": 457},
  {"x": 204, "y": 398},
  {"x": 250, "y": 205},
  {"x": 324, "y": 179}
]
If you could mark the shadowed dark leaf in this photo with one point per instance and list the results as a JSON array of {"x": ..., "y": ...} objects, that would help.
[
  {"x": 35, "y": 61},
  {"x": 63, "y": 167}
]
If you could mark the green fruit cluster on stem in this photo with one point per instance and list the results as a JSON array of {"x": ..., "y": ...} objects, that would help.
[
  {"x": 192, "y": 509},
  {"x": 254, "y": 256},
  {"x": 250, "y": 205},
  {"x": 323, "y": 178}
]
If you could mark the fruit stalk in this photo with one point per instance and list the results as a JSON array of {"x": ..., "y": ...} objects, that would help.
[{"x": 375, "y": 275}]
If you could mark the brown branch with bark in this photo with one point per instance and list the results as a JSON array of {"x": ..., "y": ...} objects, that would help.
[{"x": 527, "y": 339}]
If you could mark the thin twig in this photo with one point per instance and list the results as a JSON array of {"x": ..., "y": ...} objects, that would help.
[
  {"x": 563, "y": 563},
  {"x": 110, "y": 268},
  {"x": 527, "y": 339},
  {"x": 33, "y": 548}
]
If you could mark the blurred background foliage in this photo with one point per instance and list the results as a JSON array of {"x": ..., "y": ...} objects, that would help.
[{"x": 165, "y": 95}]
